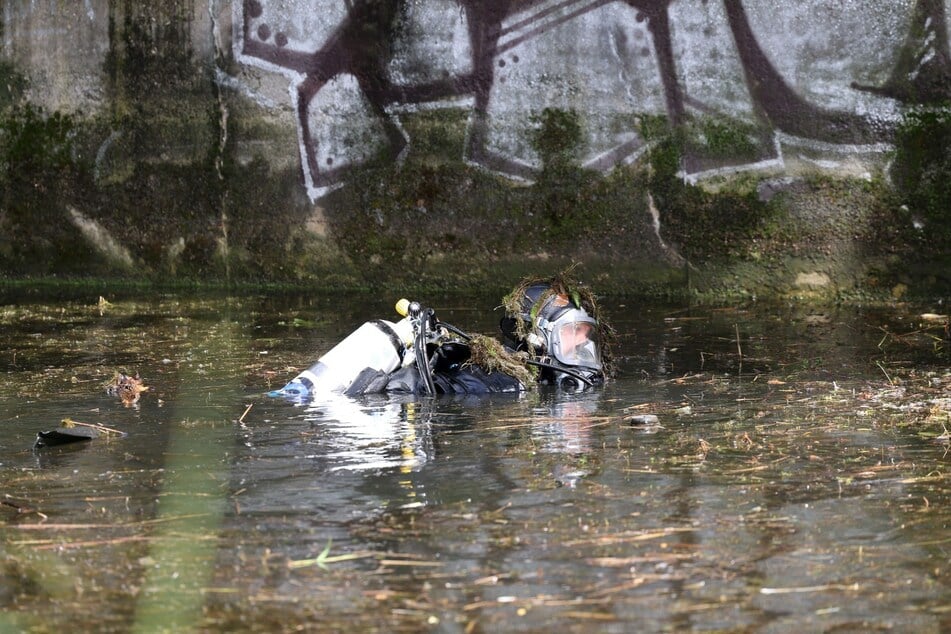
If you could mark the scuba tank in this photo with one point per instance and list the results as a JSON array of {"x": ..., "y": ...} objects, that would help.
[{"x": 377, "y": 344}]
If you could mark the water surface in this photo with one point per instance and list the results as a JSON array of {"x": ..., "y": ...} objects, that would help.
[{"x": 796, "y": 479}]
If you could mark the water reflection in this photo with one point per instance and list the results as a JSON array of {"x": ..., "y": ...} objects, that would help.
[
  {"x": 371, "y": 433},
  {"x": 563, "y": 422},
  {"x": 381, "y": 432}
]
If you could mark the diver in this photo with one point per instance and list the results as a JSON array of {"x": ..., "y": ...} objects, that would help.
[{"x": 551, "y": 335}]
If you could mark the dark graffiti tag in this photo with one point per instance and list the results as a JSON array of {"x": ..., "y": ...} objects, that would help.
[
  {"x": 922, "y": 73},
  {"x": 362, "y": 36},
  {"x": 779, "y": 104}
]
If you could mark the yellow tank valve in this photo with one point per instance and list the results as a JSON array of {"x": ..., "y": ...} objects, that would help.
[{"x": 402, "y": 307}]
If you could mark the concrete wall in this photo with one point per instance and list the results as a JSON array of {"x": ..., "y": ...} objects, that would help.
[
  {"x": 61, "y": 47},
  {"x": 217, "y": 137},
  {"x": 817, "y": 80}
]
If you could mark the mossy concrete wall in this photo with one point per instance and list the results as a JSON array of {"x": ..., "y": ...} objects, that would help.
[{"x": 664, "y": 144}]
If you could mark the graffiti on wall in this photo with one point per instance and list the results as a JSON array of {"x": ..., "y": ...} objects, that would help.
[{"x": 355, "y": 65}]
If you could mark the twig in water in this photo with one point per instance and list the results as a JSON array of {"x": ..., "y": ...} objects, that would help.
[
  {"x": 325, "y": 558},
  {"x": 798, "y": 589},
  {"x": 739, "y": 350},
  {"x": 69, "y": 422},
  {"x": 879, "y": 364}
]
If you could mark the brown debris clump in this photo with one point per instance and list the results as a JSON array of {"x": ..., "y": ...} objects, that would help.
[
  {"x": 126, "y": 387},
  {"x": 492, "y": 356}
]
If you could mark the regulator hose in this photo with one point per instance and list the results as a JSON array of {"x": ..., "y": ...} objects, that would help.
[
  {"x": 455, "y": 330},
  {"x": 422, "y": 360},
  {"x": 564, "y": 370}
]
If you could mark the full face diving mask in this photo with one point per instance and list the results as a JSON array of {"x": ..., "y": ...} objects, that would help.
[{"x": 568, "y": 336}]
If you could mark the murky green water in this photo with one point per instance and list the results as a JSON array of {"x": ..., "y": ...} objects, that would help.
[{"x": 797, "y": 480}]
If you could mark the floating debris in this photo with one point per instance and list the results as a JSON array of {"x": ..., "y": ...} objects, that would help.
[
  {"x": 644, "y": 419},
  {"x": 128, "y": 388},
  {"x": 72, "y": 431},
  {"x": 64, "y": 436},
  {"x": 19, "y": 508},
  {"x": 570, "y": 479},
  {"x": 69, "y": 423},
  {"x": 103, "y": 305}
]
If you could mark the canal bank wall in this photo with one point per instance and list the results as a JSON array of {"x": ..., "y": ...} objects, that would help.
[{"x": 721, "y": 147}]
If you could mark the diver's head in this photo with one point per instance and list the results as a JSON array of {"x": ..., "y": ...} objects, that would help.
[{"x": 558, "y": 332}]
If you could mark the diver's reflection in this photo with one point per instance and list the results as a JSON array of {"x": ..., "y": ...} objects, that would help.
[
  {"x": 389, "y": 435},
  {"x": 373, "y": 432},
  {"x": 563, "y": 421}
]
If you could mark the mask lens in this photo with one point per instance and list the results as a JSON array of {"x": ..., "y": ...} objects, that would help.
[{"x": 575, "y": 343}]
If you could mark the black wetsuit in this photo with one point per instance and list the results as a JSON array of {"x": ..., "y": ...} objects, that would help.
[
  {"x": 466, "y": 380},
  {"x": 451, "y": 375}
]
